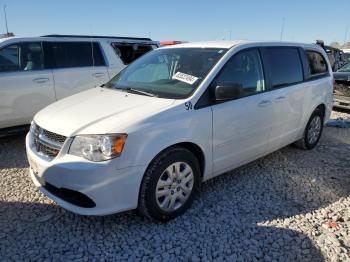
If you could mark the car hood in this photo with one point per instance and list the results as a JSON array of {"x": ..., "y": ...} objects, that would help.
[{"x": 98, "y": 111}]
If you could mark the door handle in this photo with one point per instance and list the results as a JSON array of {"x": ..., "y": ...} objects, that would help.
[
  {"x": 98, "y": 75},
  {"x": 280, "y": 98},
  {"x": 40, "y": 80},
  {"x": 264, "y": 103}
]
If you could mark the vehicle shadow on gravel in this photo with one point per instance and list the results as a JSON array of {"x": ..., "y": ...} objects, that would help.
[
  {"x": 233, "y": 218},
  {"x": 12, "y": 152}
]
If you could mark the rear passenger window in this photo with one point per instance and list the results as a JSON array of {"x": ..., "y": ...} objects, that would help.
[
  {"x": 317, "y": 64},
  {"x": 244, "y": 69},
  {"x": 285, "y": 65},
  {"x": 130, "y": 52},
  {"x": 76, "y": 54}
]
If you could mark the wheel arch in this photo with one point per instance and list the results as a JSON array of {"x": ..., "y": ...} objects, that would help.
[
  {"x": 194, "y": 148},
  {"x": 322, "y": 107},
  {"x": 197, "y": 151}
]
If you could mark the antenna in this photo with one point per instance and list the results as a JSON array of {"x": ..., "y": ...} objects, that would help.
[
  {"x": 92, "y": 56},
  {"x": 7, "y": 30},
  {"x": 346, "y": 34},
  {"x": 282, "y": 29}
]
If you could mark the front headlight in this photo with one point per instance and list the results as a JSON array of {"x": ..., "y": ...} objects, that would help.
[{"x": 98, "y": 147}]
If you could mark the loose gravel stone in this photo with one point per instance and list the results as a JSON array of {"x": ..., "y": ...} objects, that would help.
[{"x": 277, "y": 208}]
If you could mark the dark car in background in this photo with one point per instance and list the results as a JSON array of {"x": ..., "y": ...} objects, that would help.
[
  {"x": 347, "y": 55},
  {"x": 335, "y": 55},
  {"x": 342, "y": 87}
]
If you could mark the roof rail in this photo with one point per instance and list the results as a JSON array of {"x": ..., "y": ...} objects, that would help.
[{"x": 96, "y": 36}]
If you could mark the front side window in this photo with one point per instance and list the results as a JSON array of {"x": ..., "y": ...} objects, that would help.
[
  {"x": 32, "y": 57},
  {"x": 285, "y": 65},
  {"x": 22, "y": 57},
  {"x": 244, "y": 69},
  {"x": 76, "y": 54},
  {"x": 317, "y": 64},
  {"x": 169, "y": 73},
  {"x": 9, "y": 59}
]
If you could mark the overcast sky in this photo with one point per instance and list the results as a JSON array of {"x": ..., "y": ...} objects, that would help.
[{"x": 305, "y": 21}]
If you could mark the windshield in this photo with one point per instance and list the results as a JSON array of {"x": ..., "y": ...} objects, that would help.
[
  {"x": 169, "y": 73},
  {"x": 345, "y": 68}
]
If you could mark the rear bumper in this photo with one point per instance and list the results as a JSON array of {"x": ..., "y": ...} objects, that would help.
[{"x": 109, "y": 189}]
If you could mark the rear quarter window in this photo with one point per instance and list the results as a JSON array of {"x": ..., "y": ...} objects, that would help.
[{"x": 317, "y": 63}]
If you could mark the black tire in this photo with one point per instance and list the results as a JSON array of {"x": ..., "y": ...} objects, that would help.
[
  {"x": 304, "y": 142},
  {"x": 148, "y": 205}
]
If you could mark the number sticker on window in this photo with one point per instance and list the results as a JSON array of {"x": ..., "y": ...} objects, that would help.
[{"x": 185, "y": 78}]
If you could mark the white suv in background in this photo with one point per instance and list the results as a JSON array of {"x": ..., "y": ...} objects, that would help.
[
  {"x": 34, "y": 72},
  {"x": 177, "y": 116}
]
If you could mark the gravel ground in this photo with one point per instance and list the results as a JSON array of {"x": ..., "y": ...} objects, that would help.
[{"x": 292, "y": 205}]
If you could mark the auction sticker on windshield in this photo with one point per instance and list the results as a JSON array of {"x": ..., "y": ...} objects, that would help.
[{"x": 185, "y": 78}]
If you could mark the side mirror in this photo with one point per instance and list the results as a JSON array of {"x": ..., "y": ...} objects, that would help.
[{"x": 227, "y": 91}]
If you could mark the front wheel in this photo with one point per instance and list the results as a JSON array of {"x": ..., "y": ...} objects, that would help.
[
  {"x": 169, "y": 184},
  {"x": 312, "y": 132}
]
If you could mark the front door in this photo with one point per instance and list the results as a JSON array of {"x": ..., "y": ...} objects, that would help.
[{"x": 241, "y": 127}]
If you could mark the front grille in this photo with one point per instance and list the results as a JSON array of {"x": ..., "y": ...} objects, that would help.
[
  {"x": 54, "y": 137},
  {"x": 45, "y": 142},
  {"x": 46, "y": 150}
]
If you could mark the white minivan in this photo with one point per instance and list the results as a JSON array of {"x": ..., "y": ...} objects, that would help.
[
  {"x": 37, "y": 71},
  {"x": 178, "y": 116}
]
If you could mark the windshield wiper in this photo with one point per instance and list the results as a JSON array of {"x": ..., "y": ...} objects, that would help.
[
  {"x": 138, "y": 91},
  {"x": 106, "y": 85}
]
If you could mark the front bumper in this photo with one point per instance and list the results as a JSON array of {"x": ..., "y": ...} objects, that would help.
[{"x": 112, "y": 190}]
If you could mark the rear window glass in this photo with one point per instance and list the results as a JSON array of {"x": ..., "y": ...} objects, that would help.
[
  {"x": 76, "y": 54},
  {"x": 285, "y": 65},
  {"x": 317, "y": 64},
  {"x": 130, "y": 52}
]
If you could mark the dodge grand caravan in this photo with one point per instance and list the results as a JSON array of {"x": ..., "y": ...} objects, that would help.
[
  {"x": 37, "y": 71},
  {"x": 177, "y": 116}
]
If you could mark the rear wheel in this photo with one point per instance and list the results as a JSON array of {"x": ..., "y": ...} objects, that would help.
[
  {"x": 312, "y": 132},
  {"x": 169, "y": 185}
]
